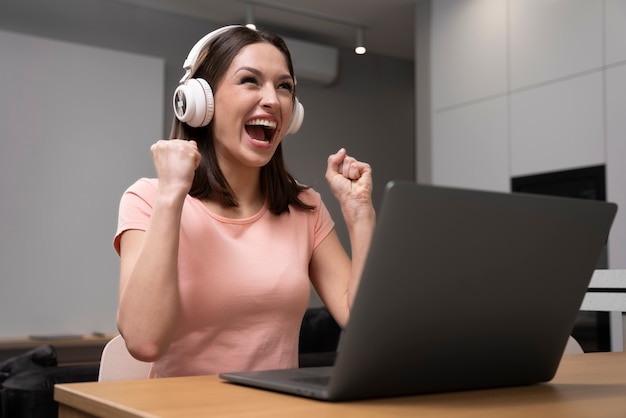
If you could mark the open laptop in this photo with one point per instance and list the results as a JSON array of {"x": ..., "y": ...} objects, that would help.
[{"x": 462, "y": 289}]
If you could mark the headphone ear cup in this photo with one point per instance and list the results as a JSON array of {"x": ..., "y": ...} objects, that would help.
[
  {"x": 297, "y": 117},
  {"x": 193, "y": 102}
]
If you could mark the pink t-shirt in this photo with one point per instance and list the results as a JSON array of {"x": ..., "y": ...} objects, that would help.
[{"x": 244, "y": 283}]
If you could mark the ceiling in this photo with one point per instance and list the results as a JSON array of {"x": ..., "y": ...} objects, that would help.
[{"x": 388, "y": 23}]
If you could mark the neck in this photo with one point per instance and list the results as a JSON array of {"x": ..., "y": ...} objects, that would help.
[{"x": 246, "y": 186}]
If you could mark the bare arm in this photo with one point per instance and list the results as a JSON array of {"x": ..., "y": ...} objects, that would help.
[
  {"x": 149, "y": 299},
  {"x": 335, "y": 275}
]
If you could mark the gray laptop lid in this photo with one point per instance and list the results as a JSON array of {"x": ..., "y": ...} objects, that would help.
[{"x": 462, "y": 289}]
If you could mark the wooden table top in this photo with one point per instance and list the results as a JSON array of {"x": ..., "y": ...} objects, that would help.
[{"x": 586, "y": 385}]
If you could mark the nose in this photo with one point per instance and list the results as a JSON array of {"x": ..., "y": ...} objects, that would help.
[{"x": 269, "y": 97}]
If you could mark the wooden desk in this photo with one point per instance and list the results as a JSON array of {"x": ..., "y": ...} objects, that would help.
[{"x": 586, "y": 385}]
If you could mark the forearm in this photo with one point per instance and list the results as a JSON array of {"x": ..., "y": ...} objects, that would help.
[
  {"x": 351, "y": 182},
  {"x": 149, "y": 297},
  {"x": 360, "y": 224}
]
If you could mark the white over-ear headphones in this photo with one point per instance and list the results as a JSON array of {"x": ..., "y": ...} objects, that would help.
[{"x": 193, "y": 98}]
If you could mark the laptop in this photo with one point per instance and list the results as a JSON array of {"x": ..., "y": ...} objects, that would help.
[{"x": 462, "y": 290}]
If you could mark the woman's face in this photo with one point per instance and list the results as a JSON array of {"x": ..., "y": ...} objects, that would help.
[{"x": 253, "y": 106}]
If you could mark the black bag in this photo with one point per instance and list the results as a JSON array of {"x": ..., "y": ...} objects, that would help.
[{"x": 27, "y": 383}]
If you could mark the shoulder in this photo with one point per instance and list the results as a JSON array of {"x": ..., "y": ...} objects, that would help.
[
  {"x": 311, "y": 197},
  {"x": 144, "y": 184},
  {"x": 144, "y": 188},
  {"x": 319, "y": 219},
  {"x": 319, "y": 213}
]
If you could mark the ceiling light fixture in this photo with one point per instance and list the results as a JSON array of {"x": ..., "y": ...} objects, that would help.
[
  {"x": 360, "y": 46},
  {"x": 250, "y": 17}
]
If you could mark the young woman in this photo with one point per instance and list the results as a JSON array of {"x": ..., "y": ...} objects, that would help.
[{"x": 218, "y": 252}]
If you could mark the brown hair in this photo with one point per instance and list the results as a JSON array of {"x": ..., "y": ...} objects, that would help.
[{"x": 277, "y": 184}]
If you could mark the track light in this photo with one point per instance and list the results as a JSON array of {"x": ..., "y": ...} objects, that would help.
[
  {"x": 250, "y": 17},
  {"x": 360, "y": 45}
]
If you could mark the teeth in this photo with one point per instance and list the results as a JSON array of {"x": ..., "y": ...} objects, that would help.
[{"x": 262, "y": 122}]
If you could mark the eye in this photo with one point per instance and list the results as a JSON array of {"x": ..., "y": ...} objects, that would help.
[
  {"x": 249, "y": 79},
  {"x": 286, "y": 86}
]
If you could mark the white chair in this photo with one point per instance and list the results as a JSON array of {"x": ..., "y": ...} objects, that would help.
[
  {"x": 573, "y": 347},
  {"x": 116, "y": 363}
]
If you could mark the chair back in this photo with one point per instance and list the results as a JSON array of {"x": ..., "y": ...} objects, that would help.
[
  {"x": 117, "y": 363},
  {"x": 573, "y": 347}
]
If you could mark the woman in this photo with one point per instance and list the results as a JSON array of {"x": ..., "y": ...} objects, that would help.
[{"x": 217, "y": 253}]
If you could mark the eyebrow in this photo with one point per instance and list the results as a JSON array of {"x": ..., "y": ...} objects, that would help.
[{"x": 258, "y": 73}]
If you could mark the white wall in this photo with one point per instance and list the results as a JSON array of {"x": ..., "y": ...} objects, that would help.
[
  {"x": 64, "y": 162},
  {"x": 524, "y": 87}
]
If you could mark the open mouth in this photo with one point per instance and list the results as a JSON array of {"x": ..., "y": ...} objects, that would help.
[{"x": 261, "y": 129}]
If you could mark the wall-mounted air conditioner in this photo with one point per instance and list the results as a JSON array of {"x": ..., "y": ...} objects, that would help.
[{"x": 313, "y": 62}]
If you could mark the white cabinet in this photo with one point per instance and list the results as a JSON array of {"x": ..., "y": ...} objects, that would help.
[
  {"x": 558, "y": 126},
  {"x": 523, "y": 87}
]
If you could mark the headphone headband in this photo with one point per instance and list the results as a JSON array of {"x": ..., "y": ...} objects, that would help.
[{"x": 192, "y": 57}]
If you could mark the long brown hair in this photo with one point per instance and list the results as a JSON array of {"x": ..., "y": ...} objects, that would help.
[{"x": 277, "y": 185}]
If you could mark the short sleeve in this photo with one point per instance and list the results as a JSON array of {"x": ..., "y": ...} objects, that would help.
[
  {"x": 135, "y": 208},
  {"x": 320, "y": 221}
]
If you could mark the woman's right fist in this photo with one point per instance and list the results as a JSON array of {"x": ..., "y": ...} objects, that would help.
[{"x": 175, "y": 161}]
